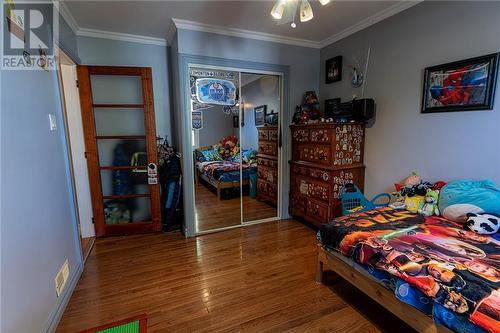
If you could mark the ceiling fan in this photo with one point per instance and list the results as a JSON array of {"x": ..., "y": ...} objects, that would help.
[{"x": 285, "y": 11}]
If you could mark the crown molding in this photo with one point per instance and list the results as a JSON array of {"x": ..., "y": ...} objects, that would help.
[
  {"x": 84, "y": 32},
  {"x": 369, "y": 21},
  {"x": 234, "y": 32},
  {"x": 66, "y": 14}
]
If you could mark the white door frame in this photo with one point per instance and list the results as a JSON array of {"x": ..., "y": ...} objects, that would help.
[{"x": 76, "y": 144}]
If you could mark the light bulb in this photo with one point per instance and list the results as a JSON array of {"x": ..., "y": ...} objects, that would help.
[
  {"x": 278, "y": 9},
  {"x": 306, "y": 12},
  {"x": 293, "y": 25},
  {"x": 324, "y": 2}
]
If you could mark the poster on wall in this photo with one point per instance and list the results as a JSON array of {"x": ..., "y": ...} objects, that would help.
[
  {"x": 197, "y": 120},
  {"x": 461, "y": 85}
]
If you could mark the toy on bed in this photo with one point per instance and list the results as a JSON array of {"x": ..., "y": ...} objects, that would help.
[
  {"x": 461, "y": 197},
  {"x": 353, "y": 200},
  {"x": 430, "y": 206},
  {"x": 484, "y": 224},
  {"x": 228, "y": 146}
]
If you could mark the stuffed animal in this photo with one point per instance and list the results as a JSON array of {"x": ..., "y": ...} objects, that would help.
[
  {"x": 484, "y": 224},
  {"x": 469, "y": 196},
  {"x": 430, "y": 206},
  {"x": 412, "y": 180}
]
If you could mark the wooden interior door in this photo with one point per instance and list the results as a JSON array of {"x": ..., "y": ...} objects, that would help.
[{"x": 120, "y": 142}]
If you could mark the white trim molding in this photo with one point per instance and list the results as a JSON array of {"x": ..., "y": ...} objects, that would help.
[
  {"x": 66, "y": 14},
  {"x": 84, "y": 32},
  {"x": 234, "y": 32},
  {"x": 241, "y": 33},
  {"x": 369, "y": 21}
]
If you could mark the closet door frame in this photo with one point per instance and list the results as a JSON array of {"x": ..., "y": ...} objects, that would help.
[{"x": 184, "y": 120}]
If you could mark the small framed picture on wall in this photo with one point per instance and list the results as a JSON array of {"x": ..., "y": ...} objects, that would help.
[
  {"x": 260, "y": 115},
  {"x": 333, "y": 70}
]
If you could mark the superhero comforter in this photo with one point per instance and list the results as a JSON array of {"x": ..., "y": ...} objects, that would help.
[{"x": 431, "y": 263}]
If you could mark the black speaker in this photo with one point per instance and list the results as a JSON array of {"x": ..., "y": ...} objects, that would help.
[{"x": 363, "y": 109}]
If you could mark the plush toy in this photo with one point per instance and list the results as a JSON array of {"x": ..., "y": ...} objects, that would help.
[
  {"x": 430, "y": 206},
  {"x": 469, "y": 196},
  {"x": 412, "y": 180},
  {"x": 484, "y": 224},
  {"x": 414, "y": 203}
]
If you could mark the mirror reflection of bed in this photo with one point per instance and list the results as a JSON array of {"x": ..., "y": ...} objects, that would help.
[{"x": 232, "y": 178}]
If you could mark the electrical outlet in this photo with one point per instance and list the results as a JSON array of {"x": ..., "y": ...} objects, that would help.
[{"x": 61, "y": 278}]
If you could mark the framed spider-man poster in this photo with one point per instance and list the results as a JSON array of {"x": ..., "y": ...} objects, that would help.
[{"x": 461, "y": 85}]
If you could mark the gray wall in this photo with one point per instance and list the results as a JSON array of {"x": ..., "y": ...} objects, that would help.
[
  {"x": 441, "y": 145},
  {"x": 37, "y": 215},
  {"x": 216, "y": 125},
  {"x": 98, "y": 51},
  {"x": 264, "y": 91}
]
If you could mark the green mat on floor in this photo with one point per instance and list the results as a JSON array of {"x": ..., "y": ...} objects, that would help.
[{"x": 132, "y": 327}]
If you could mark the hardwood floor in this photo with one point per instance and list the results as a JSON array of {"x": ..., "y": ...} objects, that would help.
[
  {"x": 212, "y": 213},
  {"x": 254, "y": 279}
]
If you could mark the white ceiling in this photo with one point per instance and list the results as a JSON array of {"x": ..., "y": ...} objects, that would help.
[{"x": 153, "y": 18}]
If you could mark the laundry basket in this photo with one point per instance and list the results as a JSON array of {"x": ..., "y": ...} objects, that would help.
[{"x": 353, "y": 200}]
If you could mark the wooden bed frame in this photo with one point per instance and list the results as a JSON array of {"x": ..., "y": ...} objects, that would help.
[
  {"x": 218, "y": 185},
  {"x": 362, "y": 280}
]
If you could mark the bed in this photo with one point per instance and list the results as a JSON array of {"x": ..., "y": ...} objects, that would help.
[
  {"x": 221, "y": 174},
  {"x": 429, "y": 272}
]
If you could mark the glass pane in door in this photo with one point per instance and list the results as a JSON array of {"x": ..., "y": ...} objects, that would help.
[
  {"x": 116, "y": 89},
  {"x": 119, "y": 121},
  {"x": 260, "y": 96},
  {"x": 216, "y": 154},
  {"x": 127, "y": 210}
]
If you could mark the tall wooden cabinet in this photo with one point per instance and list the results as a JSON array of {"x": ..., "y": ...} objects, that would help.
[
  {"x": 325, "y": 156},
  {"x": 267, "y": 164}
]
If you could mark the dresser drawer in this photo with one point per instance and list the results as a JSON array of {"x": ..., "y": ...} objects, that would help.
[
  {"x": 318, "y": 174},
  {"x": 312, "y": 153},
  {"x": 300, "y": 135},
  {"x": 270, "y": 175},
  {"x": 263, "y": 135},
  {"x": 268, "y": 148},
  {"x": 267, "y": 162},
  {"x": 321, "y": 135},
  {"x": 273, "y": 135},
  {"x": 313, "y": 189},
  {"x": 317, "y": 211}
]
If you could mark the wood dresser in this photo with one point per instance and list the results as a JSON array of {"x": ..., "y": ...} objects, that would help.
[
  {"x": 324, "y": 157},
  {"x": 267, "y": 164}
]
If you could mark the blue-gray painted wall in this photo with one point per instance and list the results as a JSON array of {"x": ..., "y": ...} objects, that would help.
[
  {"x": 440, "y": 145},
  {"x": 38, "y": 222}
]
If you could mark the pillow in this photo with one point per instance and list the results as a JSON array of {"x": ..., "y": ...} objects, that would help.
[
  {"x": 211, "y": 155},
  {"x": 461, "y": 197},
  {"x": 198, "y": 155}
]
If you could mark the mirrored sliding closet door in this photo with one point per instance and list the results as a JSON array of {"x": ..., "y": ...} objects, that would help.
[{"x": 235, "y": 141}]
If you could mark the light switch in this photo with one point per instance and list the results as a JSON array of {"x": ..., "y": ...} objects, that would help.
[{"x": 52, "y": 122}]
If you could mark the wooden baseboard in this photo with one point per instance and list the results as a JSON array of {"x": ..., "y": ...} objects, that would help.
[{"x": 413, "y": 317}]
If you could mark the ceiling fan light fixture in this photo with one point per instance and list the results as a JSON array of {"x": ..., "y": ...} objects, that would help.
[
  {"x": 278, "y": 9},
  {"x": 324, "y": 2},
  {"x": 306, "y": 12}
]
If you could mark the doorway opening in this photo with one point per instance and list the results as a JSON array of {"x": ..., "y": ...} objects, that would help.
[
  {"x": 74, "y": 136},
  {"x": 236, "y": 146}
]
